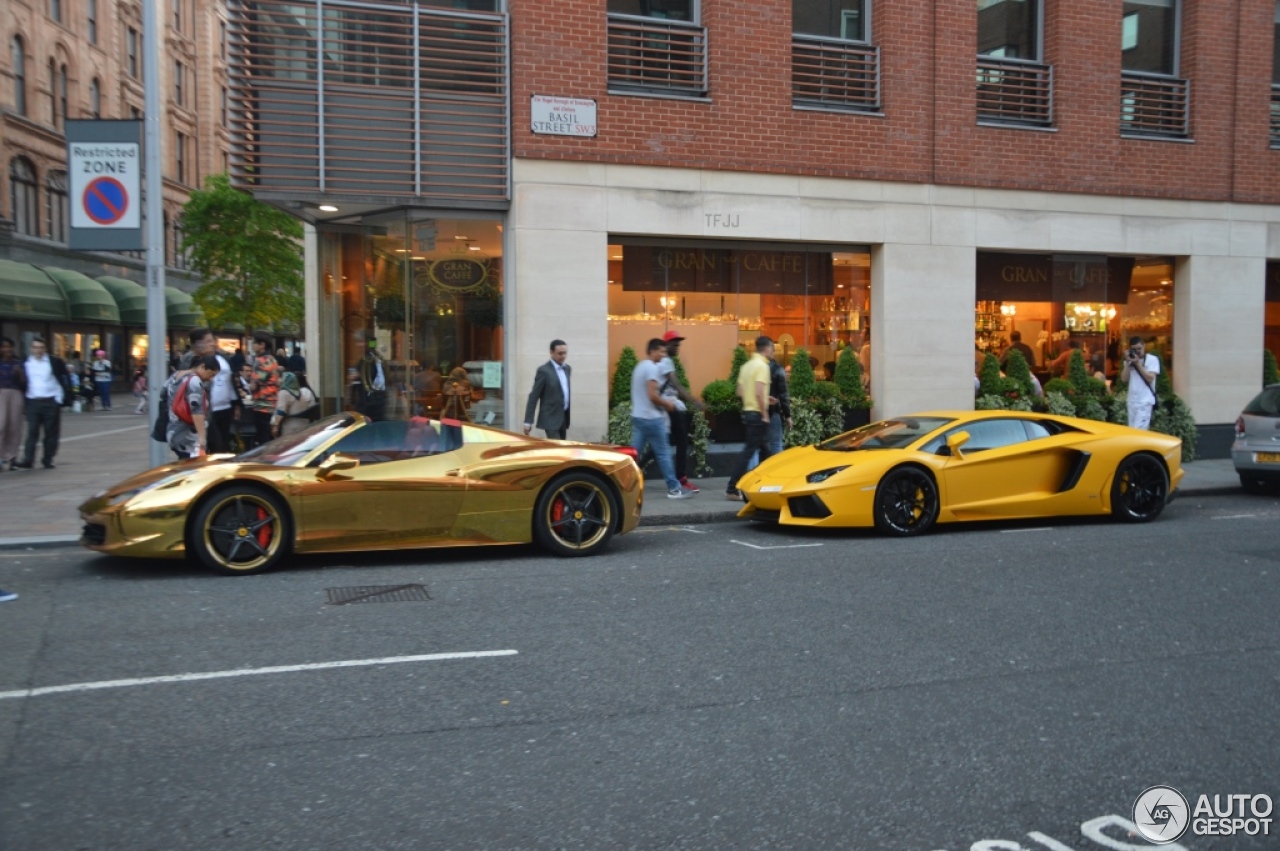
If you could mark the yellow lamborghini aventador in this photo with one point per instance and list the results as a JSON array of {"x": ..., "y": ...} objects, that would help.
[
  {"x": 905, "y": 474},
  {"x": 346, "y": 483}
]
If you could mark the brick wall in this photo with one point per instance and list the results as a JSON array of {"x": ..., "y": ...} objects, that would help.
[{"x": 928, "y": 132}]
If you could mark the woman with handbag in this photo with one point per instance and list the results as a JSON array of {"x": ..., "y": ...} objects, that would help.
[{"x": 296, "y": 405}]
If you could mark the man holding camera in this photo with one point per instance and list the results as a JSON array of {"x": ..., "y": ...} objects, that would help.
[{"x": 1140, "y": 371}]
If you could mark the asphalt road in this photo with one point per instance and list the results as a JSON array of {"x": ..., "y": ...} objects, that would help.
[{"x": 992, "y": 688}]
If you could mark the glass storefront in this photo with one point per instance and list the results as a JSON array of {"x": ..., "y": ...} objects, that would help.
[
  {"x": 407, "y": 298},
  {"x": 719, "y": 295},
  {"x": 1052, "y": 304}
]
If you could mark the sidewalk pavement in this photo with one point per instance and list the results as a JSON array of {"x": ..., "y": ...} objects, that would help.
[{"x": 38, "y": 506}]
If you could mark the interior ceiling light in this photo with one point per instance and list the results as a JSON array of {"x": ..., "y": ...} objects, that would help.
[
  {"x": 328, "y": 208},
  {"x": 474, "y": 247}
]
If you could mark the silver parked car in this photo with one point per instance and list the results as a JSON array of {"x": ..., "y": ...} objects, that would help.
[{"x": 1256, "y": 452}]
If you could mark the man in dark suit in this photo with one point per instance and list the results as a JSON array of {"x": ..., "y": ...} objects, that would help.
[
  {"x": 551, "y": 390},
  {"x": 48, "y": 391}
]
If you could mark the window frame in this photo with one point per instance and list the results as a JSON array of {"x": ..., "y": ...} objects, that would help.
[
  {"x": 179, "y": 72},
  {"x": 868, "y": 27},
  {"x": 131, "y": 51},
  {"x": 59, "y": 210},
  {"x": 55, "y": 11},
  {"x": 95, "y": 97},
  {"x": 91, "y": 20},
  {"x": 31, "y": 196},
  {"x": 1038, "y": 59},
  {"x": 18, "y": 57},
  {"x": 180, "y": 158},
  {"x": 695, "y": 14},
  {"x": 64, "y": 100},
  {"x": 1174, "y": 74}
]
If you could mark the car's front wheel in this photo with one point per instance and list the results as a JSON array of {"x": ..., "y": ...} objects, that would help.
[
  {"x": 575, "y": 515},
  {"x": 1140, "y": 489},
  {"x": 240, "y": 530},
  {"x": 906, "y": 502}
]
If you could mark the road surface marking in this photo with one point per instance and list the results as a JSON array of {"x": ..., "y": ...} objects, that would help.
[
  {"x": 781, "y": 547},
  {"x": 249, "y": 672},
  {"x": 1232, "y": 516},
  {"x": 1037, "y": 529},
  {"x": 101, "y": 433},
  {"x": 644, "y": 529}
]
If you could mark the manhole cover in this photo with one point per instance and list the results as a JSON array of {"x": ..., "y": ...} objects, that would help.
[{"x": 377, "y": 594}]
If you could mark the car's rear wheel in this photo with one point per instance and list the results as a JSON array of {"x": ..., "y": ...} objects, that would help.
[
  {"x": 575, "y": 515},
  {"x": 240, "y": 530},
  {"x": 1140, "y": 489},
  {"x": 906, "y": 502}
]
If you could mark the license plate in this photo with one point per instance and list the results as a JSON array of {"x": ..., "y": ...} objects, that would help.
[
  {"x": 1266, "y": 458},
  {"x": 778, "y": 488}
]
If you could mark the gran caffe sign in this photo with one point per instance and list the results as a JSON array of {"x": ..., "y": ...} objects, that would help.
[
  {"x": 726, "y": 270},
  {"x": 1053, "y": 277}
]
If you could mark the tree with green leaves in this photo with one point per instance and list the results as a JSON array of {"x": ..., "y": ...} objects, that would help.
[
  {"x": 1270, "y": 372},
  {"x": 848, "y": 378},
  {"x": 248, "y": 253},
  {"x": 740, "y": 357},
  {"x": 1017, "y": 368},
  {"x": 802, "y": 383},
  {"x": 620, "y": 390},
  {"x": 990, "y": 381}
]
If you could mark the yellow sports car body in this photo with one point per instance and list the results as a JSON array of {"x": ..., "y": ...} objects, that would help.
[
  {"x": 346, "y": 483},
  {"x": 905, "y": 474}
]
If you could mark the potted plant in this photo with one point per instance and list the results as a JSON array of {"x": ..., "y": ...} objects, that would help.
[
  {"x": 853, "y": 395},
  {"x": 725, "y": 409}
]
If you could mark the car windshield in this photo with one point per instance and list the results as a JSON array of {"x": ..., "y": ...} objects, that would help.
[
  {"x": 289, "y": 449},
  {"x": 1265, "y": 404},
  {"x": 886, "y": 434}
]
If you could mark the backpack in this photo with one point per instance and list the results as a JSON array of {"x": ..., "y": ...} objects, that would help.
[
  {"x": 160, "y": 430},
  {"x": 181, "y": 403}
]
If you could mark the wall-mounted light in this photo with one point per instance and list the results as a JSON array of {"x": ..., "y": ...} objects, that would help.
[{"x": 328, "y": 208}]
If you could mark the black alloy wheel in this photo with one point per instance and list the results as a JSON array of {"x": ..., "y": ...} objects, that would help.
[
  {"x": 1140, "y": 489},
  {"x": 575, "y": 515},
  {"x": 906, "y": 502},
  {"x": 240, "y": 530}
]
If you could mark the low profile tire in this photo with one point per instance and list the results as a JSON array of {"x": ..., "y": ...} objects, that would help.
[
  {"x": 906, "y": 502},
  {"x": 240, "y": 530},
  {"x": 1140, "y": 489},
  {"x": 575, "y": 515}
]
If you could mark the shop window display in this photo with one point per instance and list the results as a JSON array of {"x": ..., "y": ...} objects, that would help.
[
  {"x": 719, "y": 295},
  {"x": 410, "y": 299},
  {"x": 1053, "y": 304}
]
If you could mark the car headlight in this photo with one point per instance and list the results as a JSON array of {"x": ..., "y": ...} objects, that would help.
[
  {"x": 823, "y": 475},
  {"x": 125, "y": 496}
]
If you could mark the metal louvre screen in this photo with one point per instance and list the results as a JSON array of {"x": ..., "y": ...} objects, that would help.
[{"x": 351, "y": 98}]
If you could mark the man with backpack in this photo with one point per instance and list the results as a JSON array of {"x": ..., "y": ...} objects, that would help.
[{"x": 187, "y": 433}]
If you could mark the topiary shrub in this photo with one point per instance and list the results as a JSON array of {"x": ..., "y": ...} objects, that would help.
[
  {"x": 1060, "y": 386},
  {"x": 1270, "y": 371},
  {"x": 990, "y": 402},
  {"x": 813, "y": 422},
  {"x": 827, "y": 391},
  {"x": 721, "y": 397},
  {"x": 1020, "y": 404},
  {"x": 801, "y": 382},
  {"x": 620, "y": 425},
  {"x": 1081, "y": 380},
  {"x": 1058, "y": 404},
  {"x": 1017, "y": 368},
  {"x": 740, "y": 357},
  {"x": 1164, "y": 381},
  {"x": 1173, "y": 417},
  {"x": 620, "y": 389},
  {"x": 990, "y": 381},
  {"x": 1120, "y": 408},
  {"x": 1089, "y": 408},
  {"x": 699, "y": 437},
  {"x": 849, "y": 379}
]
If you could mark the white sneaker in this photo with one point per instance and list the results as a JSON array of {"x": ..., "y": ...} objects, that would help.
[
  {"x": 6, "y": 596},
  {"x": 679, "y": 493}
]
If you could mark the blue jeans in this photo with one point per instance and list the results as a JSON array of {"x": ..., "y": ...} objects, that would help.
[
  {"x": 104, "y": 392},
  {"x": 653, "y": 433},
  {"x": 775, "y": 440}
]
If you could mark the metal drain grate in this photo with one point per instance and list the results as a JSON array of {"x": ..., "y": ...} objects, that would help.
[{"x": 378, "y": 594}]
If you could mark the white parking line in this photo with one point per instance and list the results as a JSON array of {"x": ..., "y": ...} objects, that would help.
[
  {"x": 1232, "y": 516},
  {"x": 644, "y": 529},
  {"x": 1037, "y": 529},
  {"x": 101, "y": 433},
  {"x": 249, "y": 672},
  {"x": 780, "y": 547}
]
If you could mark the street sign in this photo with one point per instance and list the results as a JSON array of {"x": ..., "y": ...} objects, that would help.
[{"x": 104, "y": 170}]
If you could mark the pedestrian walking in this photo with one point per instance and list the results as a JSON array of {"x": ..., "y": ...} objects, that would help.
[
  {"x": 649, "y": 421},
  {"x": 779, "y": 409},
  {"x": 1140, "y": 371},
  {"x": 187, "y": 433},
  {"x": 266, "y": 385},
  {"x": 672, "y": 390},
  {"x": 295, "y": 406},
  {"x": 102, "y": 374},
  {"x": 457, "y": 399},
  {"x": 140, "y": 390},
  {"x": 13, "y": 386},
  {"x": 753, "y": 388},
  {"x": 550, "y": 395},
  {"x": 48, "y": 389}
]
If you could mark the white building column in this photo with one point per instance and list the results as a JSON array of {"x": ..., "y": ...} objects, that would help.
[
  {"x": 1218, "y": 305},
  {"x": 922, "y": 299},
  {"x": 560, "y": 291}
]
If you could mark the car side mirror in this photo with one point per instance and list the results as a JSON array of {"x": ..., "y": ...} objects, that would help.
[
  {"x": 955, "y": 441},
  {"x": 336, "y": 463}
]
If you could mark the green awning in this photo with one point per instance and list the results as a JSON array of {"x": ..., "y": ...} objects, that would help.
[
  {"x": 131, "y": 299},
  {"x": 88, "y": 300},
  {"x": 28, "y": 293},
  {"x": 181, "y": 309},
  {"x": 231, "y": 328}
]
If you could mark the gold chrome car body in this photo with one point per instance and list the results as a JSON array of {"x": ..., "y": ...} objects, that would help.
[
  {"x": 1068, "y": 473},
  {"x": 377, "y": 497}
]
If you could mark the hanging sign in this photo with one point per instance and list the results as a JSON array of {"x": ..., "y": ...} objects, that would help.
[{"x": 104, "y": 177}]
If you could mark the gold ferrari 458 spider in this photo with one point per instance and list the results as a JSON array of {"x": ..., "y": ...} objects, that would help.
[
  {"x": 347, "y": 483},
  {"x": 905, "y": 474}
]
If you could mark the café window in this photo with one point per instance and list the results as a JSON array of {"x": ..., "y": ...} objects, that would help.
[
  {"x": 719, "y": 295},
  {"x": 408, "y": 299},
  {"x": 849, "y": 20},
  {"x": 1047, "y": 306},
  {"x": 1009, "y": 29},
  {"x": 1149, "y": 36}
]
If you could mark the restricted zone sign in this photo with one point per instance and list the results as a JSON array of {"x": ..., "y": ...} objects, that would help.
[{"x": 104, "y": 165}]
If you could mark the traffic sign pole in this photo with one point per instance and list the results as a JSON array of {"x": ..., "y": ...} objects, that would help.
[{"x": 157, "y": 361}]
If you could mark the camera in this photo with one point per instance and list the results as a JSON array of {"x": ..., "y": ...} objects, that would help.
[{"x": 1133, "y": 353}]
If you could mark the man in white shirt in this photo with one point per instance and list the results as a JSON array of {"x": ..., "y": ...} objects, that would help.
[
  {"x": 1140, "y": 371},
  {"x": 47, "y": 390},
  {"x": 551, "y": 392},
  {"x": 222, "y": 393}
]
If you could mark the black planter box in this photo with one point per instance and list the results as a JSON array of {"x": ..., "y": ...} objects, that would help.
[
  {"x": 727, "y": 428},
  {"x": 856, "y": 418}
]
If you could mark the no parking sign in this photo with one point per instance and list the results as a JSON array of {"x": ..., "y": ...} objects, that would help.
[{"x": 104, "y": 167}]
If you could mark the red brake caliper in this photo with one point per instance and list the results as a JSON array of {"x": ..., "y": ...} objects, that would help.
[
  {"x": 264, "y": 533},
  {"x": 557, "y": 510}
]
